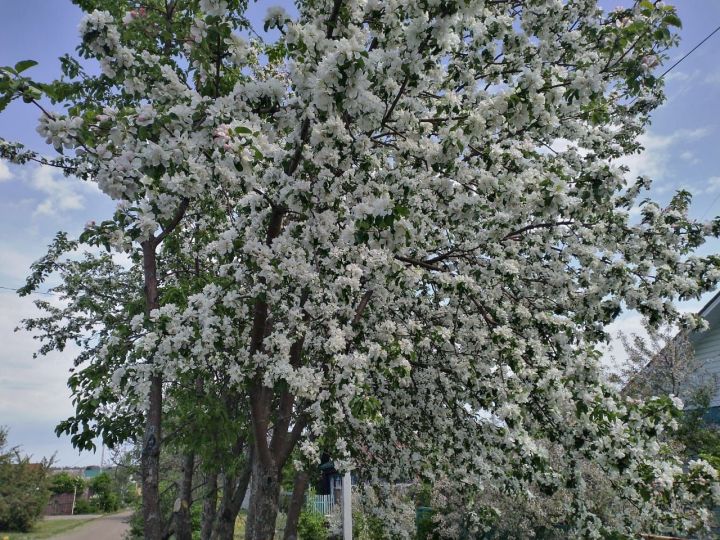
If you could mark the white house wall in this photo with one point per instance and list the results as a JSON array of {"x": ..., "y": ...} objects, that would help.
[{"x": 707, "y": 348}]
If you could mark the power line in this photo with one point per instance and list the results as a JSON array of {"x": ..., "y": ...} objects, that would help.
[
  {"x": 48, "y": 293},
  {"x": 696, "y": 47},
  {"x": 668, "y": 70},
  {"x": 710, "y": 206}
]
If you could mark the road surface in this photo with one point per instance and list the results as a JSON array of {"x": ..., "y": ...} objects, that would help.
[{"x": 112, "y": 527}]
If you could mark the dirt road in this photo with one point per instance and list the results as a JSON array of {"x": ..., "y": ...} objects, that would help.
[{"x": 111, "y": 527}]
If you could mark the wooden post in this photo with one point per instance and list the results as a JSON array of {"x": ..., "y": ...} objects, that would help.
[
  {"x": 347, "y": 506},
  {"x": 72, "y": 509}
]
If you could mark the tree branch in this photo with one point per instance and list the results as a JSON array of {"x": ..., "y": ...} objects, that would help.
[{"x": 179, "y": 213}]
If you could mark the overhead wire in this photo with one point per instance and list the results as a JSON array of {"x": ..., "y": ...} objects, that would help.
[{"x": 48, "y": 293}]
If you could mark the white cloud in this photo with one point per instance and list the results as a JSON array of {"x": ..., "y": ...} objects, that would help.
[
  {"x": 713, "y": 184},
  {"x": 713, "y": 78},
  {"x": 653, "y": 161},
  {"x": 690, "y": 157},
  {"x": 62, "y": 194},
  {"x": 5, "y": 173},
  {"x": 679, "y": 76},
  {"x": 33, "y": 392},
  {"x": 16, "y": 264}
]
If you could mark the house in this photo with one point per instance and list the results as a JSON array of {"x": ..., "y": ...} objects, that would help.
[
  {"x": 706, "y": 346},
  {"x": 683, "y": 364}
]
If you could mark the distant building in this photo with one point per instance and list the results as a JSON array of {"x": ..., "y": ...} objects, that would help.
[{"x": 87, "y": 473}]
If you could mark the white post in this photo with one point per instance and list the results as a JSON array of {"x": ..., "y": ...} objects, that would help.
[
  {"x": 347, "y": 506},
  {"x": 72, "y": 510}
]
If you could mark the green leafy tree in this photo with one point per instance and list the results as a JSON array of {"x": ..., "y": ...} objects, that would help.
[
  {"x": 23, "y": 488},
  {"x": 104, "y": 493},
  {"x": 66, "y": 483}
]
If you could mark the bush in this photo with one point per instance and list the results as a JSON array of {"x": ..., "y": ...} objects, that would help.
[
  {"x": 23, "y": 488},
  {"x": 367, "y": 527},
  {"x": 84, "y": 507},
  {"x": 426, "y": 529},
  {"x": 66, "y": 483},
  {"x": 312, "y": 526},
  {"x": 105, "y": 497}
]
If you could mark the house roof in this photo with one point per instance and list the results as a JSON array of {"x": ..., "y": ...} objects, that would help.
[{"x": 711, "y": 306}]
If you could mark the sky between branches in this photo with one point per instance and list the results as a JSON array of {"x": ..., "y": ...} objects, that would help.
[{"x": 681, "y": 152}]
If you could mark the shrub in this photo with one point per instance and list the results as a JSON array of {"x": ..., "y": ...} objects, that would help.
[
  {"x": 23, "y": 488},
  {"x": 312, "y": 526},
  {"x": 84, "y": 507},
  {"x": 367, "y": 527},
  {"x": 105, "y": 498},
  {"x": 66, "y": 483},
  {"x": 426, "y": 528}
]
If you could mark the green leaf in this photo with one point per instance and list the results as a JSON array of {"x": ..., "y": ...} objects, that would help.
[
  {"x": 672, "y": 20},
  {"x": 24, "y": 64},
  {"x": 4, "y": 102}
]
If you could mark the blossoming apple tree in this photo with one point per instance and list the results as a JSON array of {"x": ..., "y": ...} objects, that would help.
[{"x": 417, "y": 226}]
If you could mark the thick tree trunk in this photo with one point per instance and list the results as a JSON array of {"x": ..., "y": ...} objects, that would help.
[
  {"x": 183, "y": 525},
  {"x": 296, "y": 504},
  {"x": 234, "y": 490},
  {"x": 150, "y": 459},
  {"x": 209, "y": 506},
  {"x": 264, "y": 495}
]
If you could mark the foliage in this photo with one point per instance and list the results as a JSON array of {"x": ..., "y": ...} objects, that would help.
[
  {"x": 83, "y": 506},
  {"x": 23, "y": 488},
  {"x": 661, "y": 361},
  {"x": 312, "y": 526},
  {"x": 124, "y": 474},
  {"x": 104, "y": 496},
  {"x": 379, "y": 513},
  {"x": 171, "y": 477},
  {"x": 66, "y": 483},
  {"x": 367, "y": 526},
  {"x": 395, "y": 234},
  {"x": 426, "y": 527}
]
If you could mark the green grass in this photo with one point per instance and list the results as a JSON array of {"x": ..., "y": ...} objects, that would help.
[
  {"x": 45, "y": 529},
  {"x": 240, "y": 526}
]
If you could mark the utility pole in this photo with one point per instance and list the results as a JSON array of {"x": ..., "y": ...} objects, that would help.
[{"x": 347, "y": 506}]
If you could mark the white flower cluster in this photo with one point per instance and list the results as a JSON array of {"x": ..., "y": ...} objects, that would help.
[{"x": 376, "y": 234}]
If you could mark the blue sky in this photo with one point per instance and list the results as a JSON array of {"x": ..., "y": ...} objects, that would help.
[{"x": 682, "y": 151}]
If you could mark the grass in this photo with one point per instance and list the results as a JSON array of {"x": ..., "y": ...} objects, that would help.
[
  {"x": 240, "y": 525},
  {"x": 45, "y": 529}
]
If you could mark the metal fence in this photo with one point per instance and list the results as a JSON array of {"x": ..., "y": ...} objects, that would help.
[{"x": 320, "y": 504}]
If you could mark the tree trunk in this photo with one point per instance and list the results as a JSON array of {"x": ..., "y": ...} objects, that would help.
[
  {"x": 296, "y": 505},
  {"x": 150, "y": 460},
  {"x": 234, "y": 490},
  {"x": 209, "y": 506},
  {"x": 264, "y": 495},
  {"x": 183, "y": 525}
]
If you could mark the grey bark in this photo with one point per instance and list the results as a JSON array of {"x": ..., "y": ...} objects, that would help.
[
  {"x": 296, "y": 505},
  {"x": 264, "y": 495},
  {"x": 234, "y": 490},
  {"x": 209, "y": 506},
  {"x": 183, "y": 525},
  {"x": 150, "y": 459}
]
